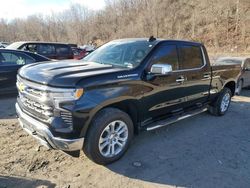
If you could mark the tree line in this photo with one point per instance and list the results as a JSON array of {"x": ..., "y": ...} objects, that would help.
[{"x": 222, "y": 25}]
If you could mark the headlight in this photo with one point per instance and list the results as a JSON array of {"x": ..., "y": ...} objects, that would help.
[{"x": 63, "y": 94}]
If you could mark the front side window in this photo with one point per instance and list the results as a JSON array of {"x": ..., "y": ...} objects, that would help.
[
  {"x": 190, "y": 57},
  {"x": 127, "y": 54},
  {"x": 166, "y": 54},
  {"x": 13, "y": 58}
]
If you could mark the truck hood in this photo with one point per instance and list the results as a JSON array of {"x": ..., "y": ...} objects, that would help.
[{"x": 63, "y": 73}]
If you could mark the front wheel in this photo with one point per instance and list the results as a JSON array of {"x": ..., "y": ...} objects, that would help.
[
  {"x": 109, "y": 136},
  {"x": 221, "y": 105}
]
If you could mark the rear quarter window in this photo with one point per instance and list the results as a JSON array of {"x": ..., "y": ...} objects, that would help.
[
  {"x": 63, "y": 50},
  {"x": 190, "y": 57},
  {"x": 46, "y": 49}
]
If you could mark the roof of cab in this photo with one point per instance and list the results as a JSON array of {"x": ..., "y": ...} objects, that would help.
[{"x": 157, "y": 40}]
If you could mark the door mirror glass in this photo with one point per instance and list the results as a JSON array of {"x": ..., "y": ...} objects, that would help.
[{"x": 162, "y": 69}]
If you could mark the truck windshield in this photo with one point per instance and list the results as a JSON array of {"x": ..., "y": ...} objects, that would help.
[
  {"x": 127, "y": 54},
  {"x": 14, "y": 46}
]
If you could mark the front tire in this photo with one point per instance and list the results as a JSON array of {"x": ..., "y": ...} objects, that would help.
[
  {"x": 109, "y": 136},
  {"x": 221, "y": 105}
]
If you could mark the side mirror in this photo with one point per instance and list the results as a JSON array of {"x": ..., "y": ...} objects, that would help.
[
  {"x": 247, "y": 69},
  {"x": 162, "y": 69}
]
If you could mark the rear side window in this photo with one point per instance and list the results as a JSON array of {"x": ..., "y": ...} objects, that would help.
[
  {"x": 166, "y": 54},
  {"x": 190, "y": 57},
  {"x": 14, "y": 58},
  {"x": 63, "y": 50},
  {"x": 46, "y": 49}
]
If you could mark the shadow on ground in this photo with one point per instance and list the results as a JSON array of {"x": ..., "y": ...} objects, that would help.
[
  {"x": 7, "y": 109},
  {"x": 245, "y": 92},
  {"x": 203, "y": 151},
  {"x": 21, "y": 182}
]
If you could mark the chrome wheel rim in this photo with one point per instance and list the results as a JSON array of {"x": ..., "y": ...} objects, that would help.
[
  {"x": 225, "y": 102},
  {"x": 113, "y": 138}
]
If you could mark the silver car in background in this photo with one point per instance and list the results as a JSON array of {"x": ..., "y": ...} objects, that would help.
[{"x": 244, "y": 76}]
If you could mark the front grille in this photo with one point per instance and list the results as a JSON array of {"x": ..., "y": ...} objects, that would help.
[
  {"x": 66, "y": 117},
  {"x": 43, "y": 109},
  {"x": 31, "y": 100},
  {"x": 35, "y": 92}
]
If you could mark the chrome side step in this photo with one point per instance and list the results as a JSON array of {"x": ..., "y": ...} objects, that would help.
[{"x": 175, "y": 119}]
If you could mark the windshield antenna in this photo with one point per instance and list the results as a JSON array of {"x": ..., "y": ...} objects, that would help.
[{"x": 151, "y": 39}]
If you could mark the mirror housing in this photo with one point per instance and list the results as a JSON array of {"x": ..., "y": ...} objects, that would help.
[
  {"x": 247, "y": 68},
  {"x": 161, "y": 69}
]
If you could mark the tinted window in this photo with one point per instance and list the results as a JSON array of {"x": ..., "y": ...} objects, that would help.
[
  {"x": 166, "y": 54},
  {"x": 31, "y": 48},
  {"x": 46, "y": 49},
  {"x": 62, "y": 50},
  {"x": 14, "y": 58},
  {"x": 190, "y": 57}
]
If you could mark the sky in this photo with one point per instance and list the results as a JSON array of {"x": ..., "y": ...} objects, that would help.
[{"x": 10, "y": 9}]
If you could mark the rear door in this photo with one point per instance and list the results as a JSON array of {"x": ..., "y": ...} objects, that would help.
[
  {"x": 196, "y": 72},
  {"x": 10, "y": 62}
]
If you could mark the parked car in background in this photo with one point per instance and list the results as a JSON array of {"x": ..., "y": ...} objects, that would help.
[
  {"x": 3, "y": 44},
  {"x": 51, "y": 50},
  {"x": 123, "y": 87},
  {"x": 10, "y": 62},
  {"x": 244, "y": 76},
  {"x": 80, "y": 53},
  {"x": 72, "y": 45}
]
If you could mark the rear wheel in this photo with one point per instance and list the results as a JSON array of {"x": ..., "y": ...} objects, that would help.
[
  {"x": 109, "y": 136},
  {"x": 221, "y": 105}
]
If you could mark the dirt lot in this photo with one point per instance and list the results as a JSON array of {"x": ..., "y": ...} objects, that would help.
[{"x": 203, "y": 151}]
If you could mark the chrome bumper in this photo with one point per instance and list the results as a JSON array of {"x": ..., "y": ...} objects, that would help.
[{"x": 41, "y": 132}]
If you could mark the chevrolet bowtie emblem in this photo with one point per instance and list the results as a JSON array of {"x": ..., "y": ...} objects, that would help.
[{"x": 21, "y": 87}]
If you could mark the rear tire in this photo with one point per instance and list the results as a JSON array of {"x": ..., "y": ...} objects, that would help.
[
  {"x": 221, "y": 105},
  {"x": 109, "y": 136}
]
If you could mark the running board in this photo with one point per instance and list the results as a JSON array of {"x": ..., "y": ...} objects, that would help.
[{"x": 175, "y": 119}]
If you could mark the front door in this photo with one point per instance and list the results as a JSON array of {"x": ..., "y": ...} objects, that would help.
[{"x": 166, "y": 91}]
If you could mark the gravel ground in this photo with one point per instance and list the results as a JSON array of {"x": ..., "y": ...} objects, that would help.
[{"x": 203, "y": 151}]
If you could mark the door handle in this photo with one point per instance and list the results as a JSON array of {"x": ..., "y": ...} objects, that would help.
[
  {"x": 206, "y": 76},
  {"x": 180, "y": 79}
]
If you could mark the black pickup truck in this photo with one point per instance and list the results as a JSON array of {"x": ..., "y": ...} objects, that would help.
[{"x": 122, "y": 88}]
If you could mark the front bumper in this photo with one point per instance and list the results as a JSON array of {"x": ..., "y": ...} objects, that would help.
[{"x": 42, "y": 133}]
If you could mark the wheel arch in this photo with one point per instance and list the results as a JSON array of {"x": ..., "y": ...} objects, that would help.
[
  {"x": 128, "y": 106},
  {"x": 232, "y": 86}
]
